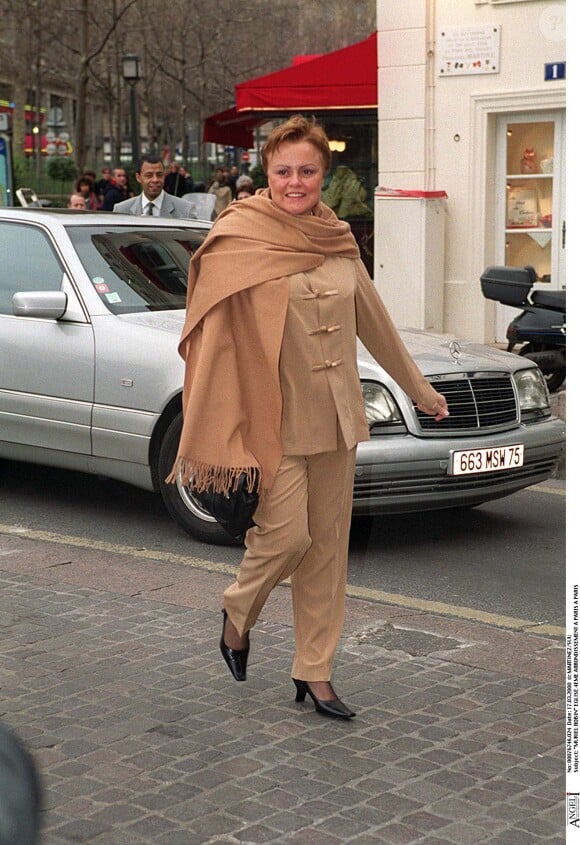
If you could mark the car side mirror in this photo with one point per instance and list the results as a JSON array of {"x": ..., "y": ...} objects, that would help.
[{"x": 48, "y": 305}]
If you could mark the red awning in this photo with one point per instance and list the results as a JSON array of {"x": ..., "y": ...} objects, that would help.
[
  {"x": 346, "y": 78},
  {"x": 342, "y": 80},
  {"x": 230, "y": 128}
]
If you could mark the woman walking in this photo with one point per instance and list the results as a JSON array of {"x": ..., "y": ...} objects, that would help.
[{"x": 277, "y": 296}]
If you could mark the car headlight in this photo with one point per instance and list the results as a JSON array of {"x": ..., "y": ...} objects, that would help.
[
  {"x": 532, "y": 390},
  {"x": 380, "y": 407}
]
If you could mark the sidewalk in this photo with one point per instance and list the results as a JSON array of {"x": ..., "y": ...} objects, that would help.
[{"x": 112, "y": 676}]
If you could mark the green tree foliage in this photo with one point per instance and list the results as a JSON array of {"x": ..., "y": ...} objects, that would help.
[
  {"x": 258, "y": 176},
  {"x": 61, "y": 169}
]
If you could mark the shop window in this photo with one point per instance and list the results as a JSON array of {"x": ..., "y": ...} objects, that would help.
[
  {"x": 350, "y": 184},
  {"x": 530, "y": 221}
]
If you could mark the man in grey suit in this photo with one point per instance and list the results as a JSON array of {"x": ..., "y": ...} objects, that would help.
[{"x": 154, "y": 201}]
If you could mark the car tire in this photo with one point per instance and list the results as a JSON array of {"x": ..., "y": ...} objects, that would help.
[{"x": 180, "y": 502}]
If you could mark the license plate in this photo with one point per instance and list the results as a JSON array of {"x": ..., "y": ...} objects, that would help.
[{"x": 472, "y": 461}]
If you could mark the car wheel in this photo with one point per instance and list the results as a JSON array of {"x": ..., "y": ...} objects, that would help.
[{"x": 180, "y": 502}]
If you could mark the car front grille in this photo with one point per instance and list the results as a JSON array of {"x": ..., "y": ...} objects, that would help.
[{"x": 476, "y": 401}]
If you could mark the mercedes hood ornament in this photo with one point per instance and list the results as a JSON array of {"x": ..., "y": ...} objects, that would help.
[{"x": 455, "y": 351}]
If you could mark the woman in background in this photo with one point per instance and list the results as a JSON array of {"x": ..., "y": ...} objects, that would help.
[{"x": 86, "y": 187}]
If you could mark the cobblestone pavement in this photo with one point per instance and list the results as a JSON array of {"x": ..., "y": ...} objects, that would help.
[{"x": 111, "y": 675}]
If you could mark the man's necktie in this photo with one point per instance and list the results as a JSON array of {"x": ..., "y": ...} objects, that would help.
[{"x": 150, "y": 206}]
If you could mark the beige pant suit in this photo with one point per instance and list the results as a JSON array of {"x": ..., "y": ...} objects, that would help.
[{"x": 302, "y": 525}]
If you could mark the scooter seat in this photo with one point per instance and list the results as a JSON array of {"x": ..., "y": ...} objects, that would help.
[{"x": 555, "y": 300}]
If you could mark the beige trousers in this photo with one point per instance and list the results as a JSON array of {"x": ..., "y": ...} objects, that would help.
[{"x": 302, "y": 530}]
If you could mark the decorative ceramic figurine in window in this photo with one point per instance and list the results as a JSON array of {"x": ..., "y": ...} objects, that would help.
[{"x": 528, "y": 161}]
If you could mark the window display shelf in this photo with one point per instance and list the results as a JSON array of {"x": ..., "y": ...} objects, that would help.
[
  {"x": 527, "y": 230},
  {"x": 530, "y": 176},
  {"x": 542, "y": 237}
]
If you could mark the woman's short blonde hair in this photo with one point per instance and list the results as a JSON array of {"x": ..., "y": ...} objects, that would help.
[{"x": 297, "y": 128}]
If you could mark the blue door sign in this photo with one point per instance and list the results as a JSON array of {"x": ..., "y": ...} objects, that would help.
[{"x": 555, "y": 70}]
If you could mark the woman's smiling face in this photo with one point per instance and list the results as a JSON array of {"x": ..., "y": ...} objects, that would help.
[{"x": 295, "y": 176}]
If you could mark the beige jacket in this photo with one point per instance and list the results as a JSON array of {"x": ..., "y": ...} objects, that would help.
[
  {"x": 327, "y": 308},
  {"x": 239, "y": 290}
]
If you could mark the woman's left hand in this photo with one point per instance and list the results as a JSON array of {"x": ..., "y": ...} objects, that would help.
[{"x": 439, "y": 410}]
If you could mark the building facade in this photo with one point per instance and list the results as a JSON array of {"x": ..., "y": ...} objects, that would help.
[{"x": 472, "y": 116}]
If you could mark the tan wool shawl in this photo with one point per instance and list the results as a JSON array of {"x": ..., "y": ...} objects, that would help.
[{"x": 236, "y": 309}]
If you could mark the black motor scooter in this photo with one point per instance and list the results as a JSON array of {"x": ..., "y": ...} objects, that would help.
[{"x": 541, "y": 326}]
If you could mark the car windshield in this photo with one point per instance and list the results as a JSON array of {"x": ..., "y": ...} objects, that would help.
[{"x": 137, "y": 269}]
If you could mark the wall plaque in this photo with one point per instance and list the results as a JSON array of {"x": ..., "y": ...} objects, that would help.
[{"x": 465, "y": 50}]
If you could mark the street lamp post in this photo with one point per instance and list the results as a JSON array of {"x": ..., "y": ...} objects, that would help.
[
  {"x": 132, "y": 75},
  {"x": 37, "y": 146}
]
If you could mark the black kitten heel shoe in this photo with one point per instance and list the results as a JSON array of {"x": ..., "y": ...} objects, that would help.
[
  {"x": 335, "y": 707},
  {"x": 236, "y": 659}
]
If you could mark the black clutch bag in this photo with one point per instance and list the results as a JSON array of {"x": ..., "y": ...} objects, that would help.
[{"x": 233, "y": 510}]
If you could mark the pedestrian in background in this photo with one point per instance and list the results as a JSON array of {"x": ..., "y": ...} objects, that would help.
[
  {"x": 244, "y": 183},
  {"x": 222, "y": 191},
  {"x": 231, "y": 178},
  {"x": 86, "y": 187},
  {"x": 278, "y": 338},
  {"x": 245, "y": 190},
  {"x": 188, "y": 186},
  {"x": 154, "y": 201},
  {"x": 117, "y": 190},
  {"x": 171, "y": 179},
  {"x": 102, "y": 183},
  {"x": 77, "y": 201}
]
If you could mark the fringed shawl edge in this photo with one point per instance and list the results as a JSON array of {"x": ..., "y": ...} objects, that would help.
[{"x": 199, "y": 476}]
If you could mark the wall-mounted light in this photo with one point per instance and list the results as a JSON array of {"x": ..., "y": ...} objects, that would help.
[{"x": 337, "y": 146}]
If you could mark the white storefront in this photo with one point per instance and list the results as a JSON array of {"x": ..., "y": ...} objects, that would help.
[{"x": 471, "y": 155}]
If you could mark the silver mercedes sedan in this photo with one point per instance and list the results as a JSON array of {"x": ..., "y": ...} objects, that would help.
[{"x": 91, "y": 309}]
